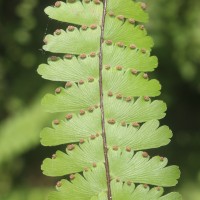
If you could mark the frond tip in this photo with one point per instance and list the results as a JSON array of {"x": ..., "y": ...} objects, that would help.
[{"x": 111, "y": 116}]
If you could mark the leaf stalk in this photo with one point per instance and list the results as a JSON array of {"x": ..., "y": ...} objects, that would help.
[{"x": 109, "y": 194}]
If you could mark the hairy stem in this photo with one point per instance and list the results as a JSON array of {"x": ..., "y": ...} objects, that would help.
[{"x": 102, "y": 103}]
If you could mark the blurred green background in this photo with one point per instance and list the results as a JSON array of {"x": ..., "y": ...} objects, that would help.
[{"x": 175, "y": 27}]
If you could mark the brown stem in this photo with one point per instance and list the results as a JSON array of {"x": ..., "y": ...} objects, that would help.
[{"x": 101, "y": 101}]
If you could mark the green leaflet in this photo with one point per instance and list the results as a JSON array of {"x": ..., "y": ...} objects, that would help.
[
  {"x": 84, "y": 126},
  {"x": 131, "y": 116},
  {"x": 90, "y": 187},
  {"x": 151, "y": 171},
  {"x": 77, "y": 13},
  {"x": 90, "y": 13},
  {"x": 77, "y": 41},
  {"x": 61, "y": 70}
]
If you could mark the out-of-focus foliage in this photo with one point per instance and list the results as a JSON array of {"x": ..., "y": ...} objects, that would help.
[
  {"x": 27, "y": 194},
  {"x": 175, "y": 27},
  {"x": 191, "y": 191},
  {"x": 19, "y": 55},
  {"x": 20, "y": 132}
]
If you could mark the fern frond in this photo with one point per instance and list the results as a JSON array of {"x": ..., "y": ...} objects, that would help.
[{"x": 105, "y": 164}]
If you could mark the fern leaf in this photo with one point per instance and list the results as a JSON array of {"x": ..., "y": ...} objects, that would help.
[
  {"x": 132, "y": 136},
  {"x": 77, "y": 12},
  {"x": 87, "y": 13},
  {"x": 86, "y": 40},
  {"x": 151, "y": 171},
  {"x": 91, "y": 187},
  {"x": 120, "y": 81},
  {"x": 106, "y": 97},
  {"x": 60, "y": 69},
  {"x": 129, "y": 10}
]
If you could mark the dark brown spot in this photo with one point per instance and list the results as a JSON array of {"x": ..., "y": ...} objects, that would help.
[
  {"x": 83, "y": 56},
  {"x": 70, "y": 28},
  {"x": 57, "y": 90},
  {"x": 93, "y": 26},
  {"x": 81, "y": 82},
  {"x": 82, "y": 112},
  {"x": 143, "y": 6},
  {"x": 94, "y": 164},
  {"x": 145, "y": 154},
  {"x": 128, "y": 99},
  {"x": 145, "y": 75},
  {"x": 85, "y": 169},
  {"x": 92, "y": 137},
  {"x": 111, "y": 14},
  {"x": 111, "y": 121},
  {"x": 68, "y": 85},
  {"x": 115, "y": 148},
  {"x": 120, "y": 44},
  {"x": 54, "y": 156},
  {"x": 134, "y": 71},
  {"x": 84, "y": 27},
  {"x": 143, "y": 50},
  {"x": 45, "y": 41},
  {"x": 68, "y": 56},
  {"x": 110, "y": 94},
  {"x": 81, "y": 141},
  {"x": 146, "y": 98},
  {"x": 57, "y": 32},
  {"x": 53, "y": 58},
  {"x": 129, "y": 183},
  {"x": 120, "y": 17},
  {"x": 72, "y": 177},
  {"x": 145, "y": 186},
  {"x": 107, "y": 67},
  {"x": 162, "y": 159},
  {"x": 57, "y": 4},
  {"x": 141, "y": 27},
  {"x": 59, "y": 184},
  {"x": 119, "y": 96},
  {"x": 90, "y": 79},
  {"x": 97, "y": 1},
  {"x": 132, "y": 21},
  {"x": 119, "y": 68},
  {"x": 128, "y": 149},
  {"x": 135, "y": 124},
  {"x": 117, "y": 180},
  {"x": 68, "y": 116},
  {"x": 92, "y": 54},
  {"x": 91, "y": 109},
  {"x": 108, "y": 42},
  {"x": 70, "y": 147},
  {"x": 56, "y": 121},
  {"x": 133, "y": 46},
  {"x": 97, "y": 134},
  {"x": 123, "y": 123},
  {"x": 158, "y": 188}
]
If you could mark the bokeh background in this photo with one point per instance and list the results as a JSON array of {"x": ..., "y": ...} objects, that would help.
[{"x": 175, "y": 27}]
